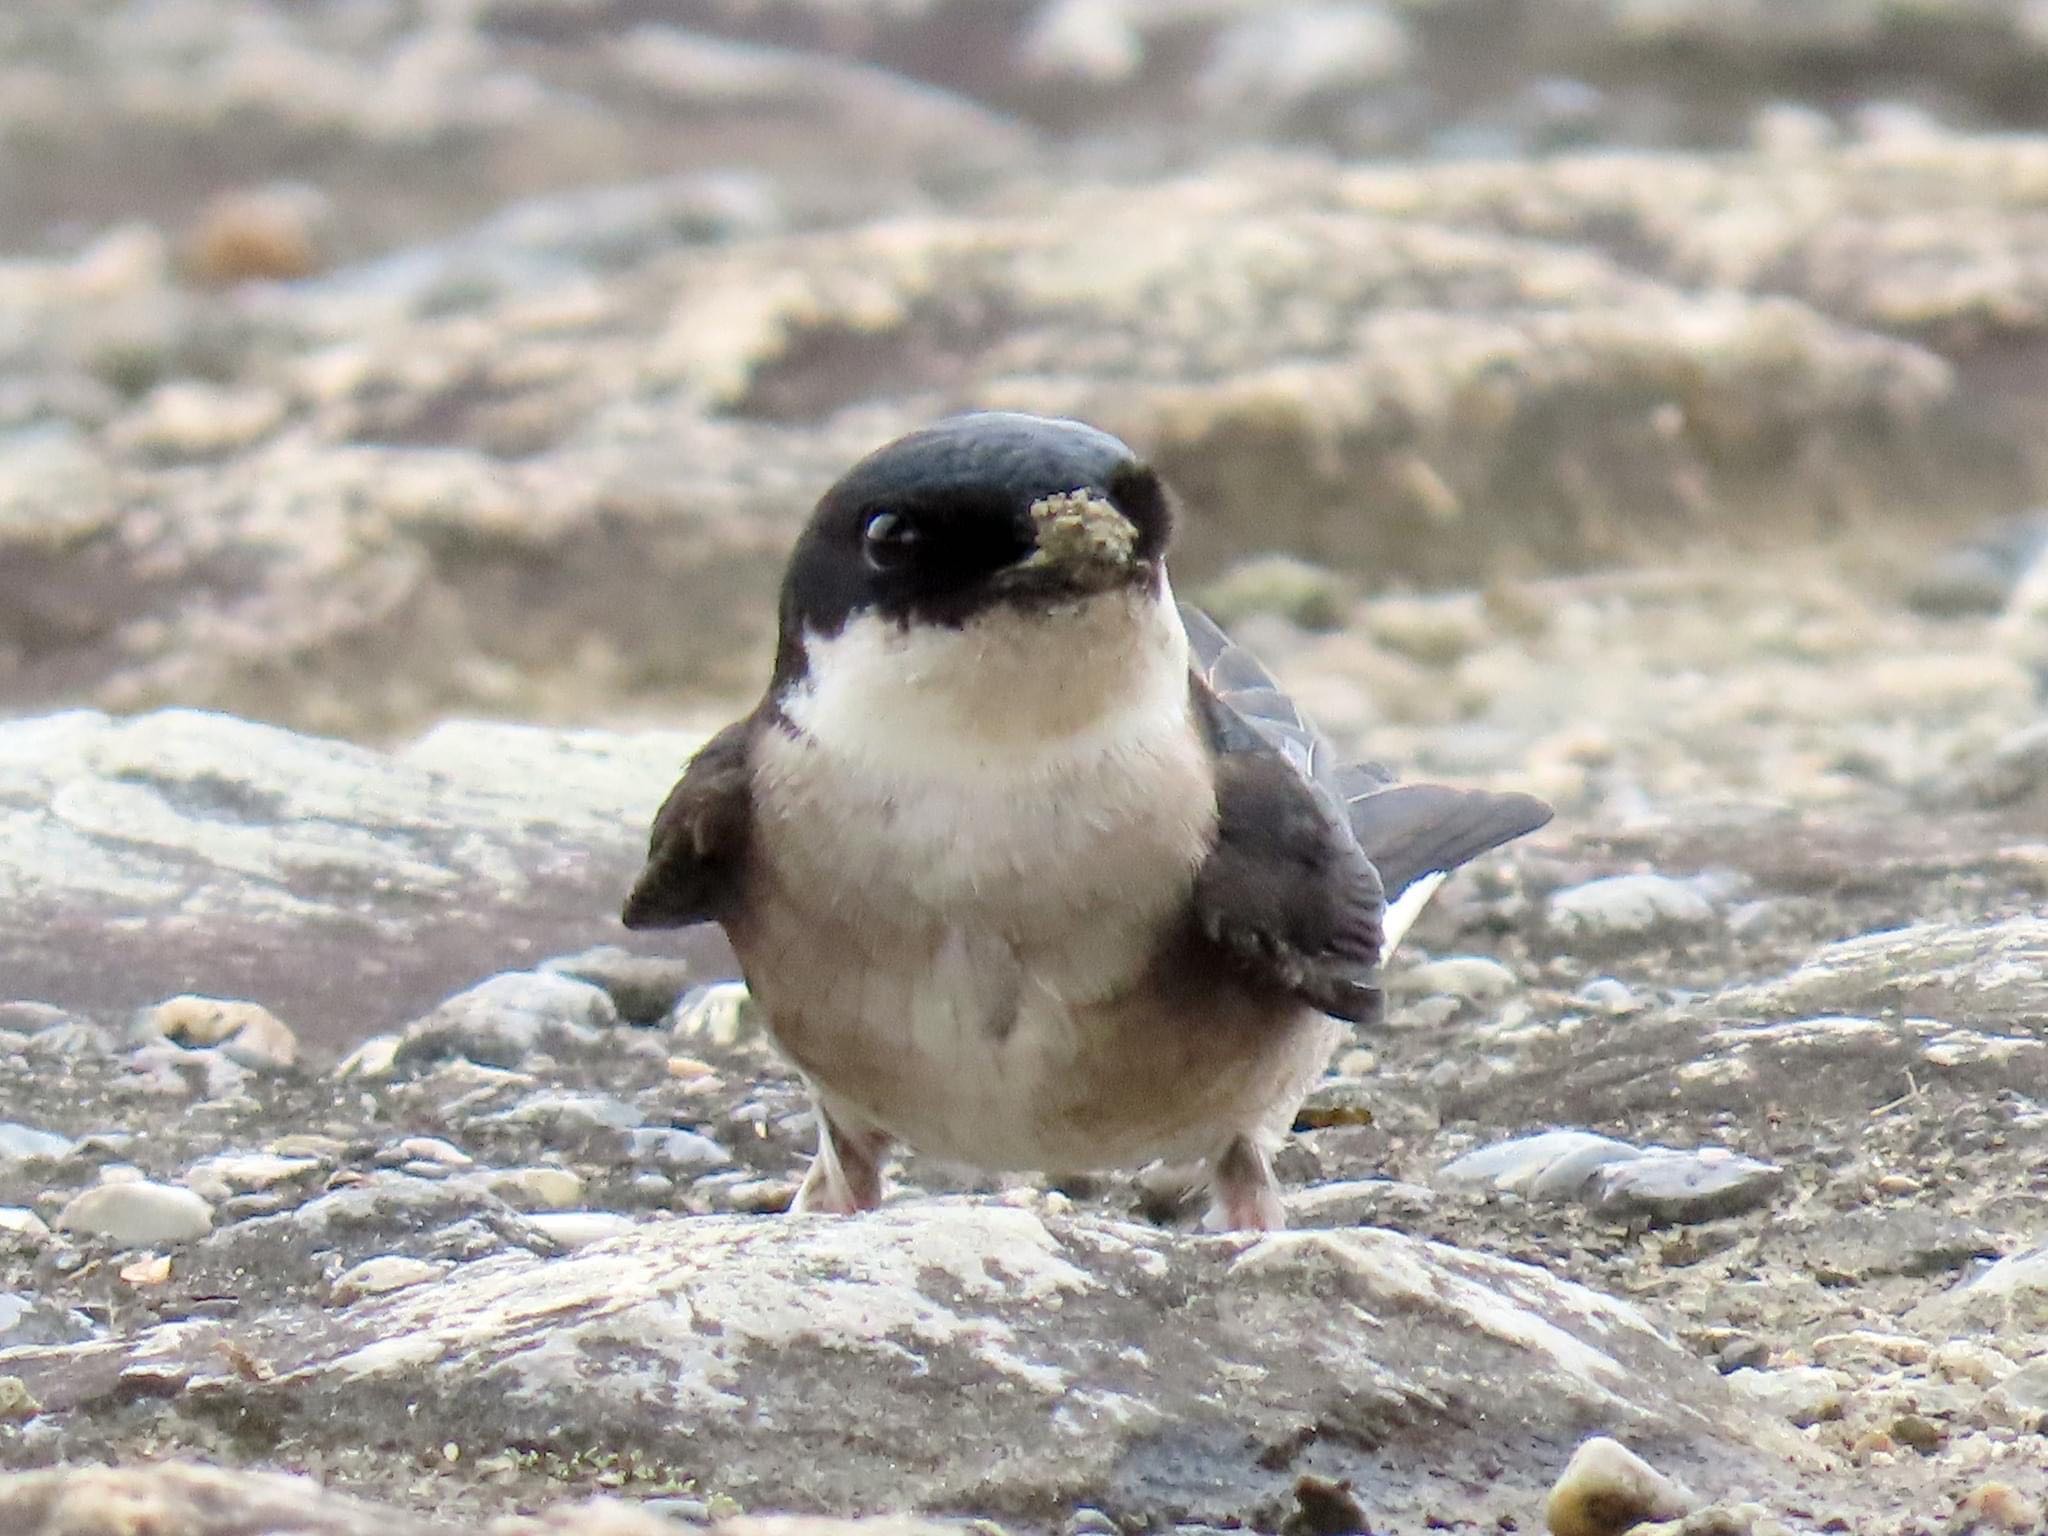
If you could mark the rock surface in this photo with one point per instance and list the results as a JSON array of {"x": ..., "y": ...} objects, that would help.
[{"x": 338, "y": 886}]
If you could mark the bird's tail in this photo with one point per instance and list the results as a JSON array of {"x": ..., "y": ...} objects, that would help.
[{"x": 1416, "y": 834}]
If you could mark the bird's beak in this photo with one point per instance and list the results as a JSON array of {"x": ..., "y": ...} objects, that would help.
[{"x": 1082, "y": 541}]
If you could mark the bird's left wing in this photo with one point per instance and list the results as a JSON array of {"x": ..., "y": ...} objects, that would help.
[
  {"x": 699, "y": 841},
  {"x": 1286, "y": 895}
]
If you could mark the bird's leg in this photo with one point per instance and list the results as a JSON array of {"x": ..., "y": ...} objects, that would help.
[
  {"x": 1243, "y": 1196},
  {"x": 846, "y": 1175}
]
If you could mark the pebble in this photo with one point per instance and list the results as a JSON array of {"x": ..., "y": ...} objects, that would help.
[
  {"x": 176, "y": 1070},
  {"x": 138, "y": 1213},
  {"x": 578, "y": 1229},
  {"x": 722, "y": 1013},
  {"x": 1803, "y": 1395},
  {"x": 2011, "y": 1292},
  {"x": 1629, "y": 907},
  {"x": 676, "y": 1149},
  {"x": 18, "y": 1143},
  {"x": 376, "y": 1057},
  {"x": 216, "y": 1178},
  {"x": 643, "y": 987},
  {"x": 1606, "y": 1489},
  {"x": 1996, "y": 1506},
  {"x": 248, "y": 1034},
  {"x": 536, "y": 1189},
  {"x": 1474, "y": 978},
  {"x": 426, "y": 1149},
  {"x": 567, "y": 1118},
  {"x": 1977, "y": 1364},
  {"x": 1617, "y": 1178},
  {"x": 503, "y": 1020},
  {"x": 382, "y": 1275},
  {"x": 20, "y": 1221},
  {"x": 23, "y": 1018},
  {"x": 1610, "y": 996}
]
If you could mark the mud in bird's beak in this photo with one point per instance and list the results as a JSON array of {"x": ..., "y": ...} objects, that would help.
[{"x": 1083, "y": 543}]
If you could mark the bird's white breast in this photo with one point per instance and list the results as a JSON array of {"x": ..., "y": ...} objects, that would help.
[{"x": 972, "y": 837}]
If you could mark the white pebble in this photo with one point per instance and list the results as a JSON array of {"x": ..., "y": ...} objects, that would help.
[
  {"x": 1628, "y": 906},
  {"x": 138, "y": 1213}
]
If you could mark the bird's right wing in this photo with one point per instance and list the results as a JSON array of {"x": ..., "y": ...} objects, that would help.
[
  {"x": 1410, "y": 832},
  {"x": 699, "y": 840}
]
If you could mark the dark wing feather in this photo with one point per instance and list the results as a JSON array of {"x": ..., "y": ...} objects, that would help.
[
  {"x": 1412, "y": 830},
  {"x": 1286, "y": 896},
  {"x": 1406, "y": 830},
  {"x": 699, "y": 841}
]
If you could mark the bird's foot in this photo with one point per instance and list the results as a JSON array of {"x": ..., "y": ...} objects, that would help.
[
  {"x": 846, "y": 1175},
  {"x": 1244, "y": 1196}
]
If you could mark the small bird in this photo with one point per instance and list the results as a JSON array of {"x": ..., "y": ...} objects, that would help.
[{"x": 1027, "y": 866}]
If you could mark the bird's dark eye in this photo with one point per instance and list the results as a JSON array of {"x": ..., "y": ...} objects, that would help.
[{"x": 890, "y": 538}]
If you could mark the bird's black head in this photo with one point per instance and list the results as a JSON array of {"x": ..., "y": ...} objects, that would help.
[{"x": 971, "y": 513}]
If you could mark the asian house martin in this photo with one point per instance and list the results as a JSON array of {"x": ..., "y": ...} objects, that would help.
[{"x": 1027, "y": 866}]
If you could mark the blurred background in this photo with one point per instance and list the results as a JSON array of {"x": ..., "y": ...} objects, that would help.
[{"x": 1637, "y": 400}]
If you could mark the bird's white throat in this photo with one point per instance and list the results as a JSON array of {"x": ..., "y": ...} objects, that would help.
[{"x": 1010, "y": 694}]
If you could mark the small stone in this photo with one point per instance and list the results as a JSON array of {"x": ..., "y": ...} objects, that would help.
[
  {"x": 1324, "y": 1507},
  {"x": 376, "y": 1057},
  {"x": 1629, "y": 907},
  {"x": 23, "y": 1018},
  {"x": 1474, "y": 978},
  {"x": 1803, "y": 1395},
  {"x": 759, "y": 1197},
  {"x": 262, "y": 233},
  {"x": 1742, "y": 1354},
  {"x": 16, "y": 1401},
  {"x": 1606, "y": 1488},
  {"x": 20, "y": 1221},
  {"x": 2012, "y": 1292},
  {"x": 1616, "y": 1178},
  {"x": 1919, "y": 1432},
  {"x": 578, "y": 1229},
  {"x": 1699, "y": 1184},
  {"x": 1977, "y": 1364},
  {"x": 502, "y": 1021},
  {"x": 1996, "y": 1506},
  {"x": 20, "y": 1143},
  {"x": 644, "y": 987},
  {"x": 249, "y": 1034},
  {"x": 382, "y": 1275},
  {"x": 150, "y": 1269},
  {"x": 573, "y": 1120},
  {"x": 1307, "y": 596},
  {"x": 676, "y": 1149},
  {"x": 217, "y": 1178},
  {"x": 138, "y": 1214},
  {"x": 427, "y": 1149},
  {"x": 2026, "y": 1389},
  {"x": 1610, "y": 996},
  {"x": 536, "y": 1189},
  {"x": 722, "y": 1013}
]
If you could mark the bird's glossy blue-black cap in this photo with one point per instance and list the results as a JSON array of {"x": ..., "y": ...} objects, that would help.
[
  {"x": 1025, "y": 457},
  {"x": 932, "y": 528}
]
